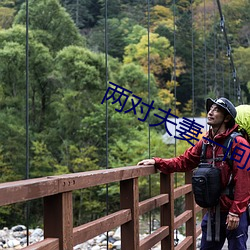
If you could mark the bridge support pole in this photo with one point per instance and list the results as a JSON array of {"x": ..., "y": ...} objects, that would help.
[
  {"x": 190, "y": 205},
  {"x": 129, "y": 198},
  {"x": 167, "y": 210},
  {"x": 58, "y": 219}
]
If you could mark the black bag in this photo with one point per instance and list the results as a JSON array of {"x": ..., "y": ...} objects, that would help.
[{"x": 206, "y": 181}]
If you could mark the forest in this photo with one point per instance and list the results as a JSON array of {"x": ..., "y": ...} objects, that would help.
[{"x": 55, "y": 70}]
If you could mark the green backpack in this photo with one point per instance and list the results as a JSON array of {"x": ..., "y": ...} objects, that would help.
[{"x": 243, "y": 119}]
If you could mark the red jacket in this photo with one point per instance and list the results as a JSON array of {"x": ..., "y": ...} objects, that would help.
[{"x": 191, "y": 158}]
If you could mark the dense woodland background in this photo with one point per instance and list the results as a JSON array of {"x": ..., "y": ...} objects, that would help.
[{"x": 75, "y": 48}]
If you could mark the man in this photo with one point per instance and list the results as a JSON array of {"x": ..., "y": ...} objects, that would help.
[{"x": 221, "y": 115}]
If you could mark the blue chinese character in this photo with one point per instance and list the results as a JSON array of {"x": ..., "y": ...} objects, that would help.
[
  {"x": 190, "y": 130},
  {"x": 134, "y": 105},
  {"x": 149, "y": 109},
  {"x": 234, "y": 152},
  {"x": 164, "y": 119},
  {"x": 115, "y": 90},
  {"x": 241, "y": 155}
]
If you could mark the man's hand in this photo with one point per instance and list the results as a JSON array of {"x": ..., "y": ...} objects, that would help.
[
  {"x": 232, "y": 222},
  {"x": 146, "y": 162}
]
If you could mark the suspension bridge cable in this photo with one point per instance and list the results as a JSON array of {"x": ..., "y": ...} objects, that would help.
[
  {"x": 215, "y": 53},
  {"x": 175, "y": 94},
  {"x": 229, "y": 83},
  {"x": 205, "y": 49},
  {"x": 192, "y": 73},
  {"x": 221, "y": 68},
  {"x": 174, "y": 61},
  {"x": 106, "y": 118},
  {"x": 27, "y": 207},
  {"x": 229, "y": 53},
  {"x": 149, "y": 97}
]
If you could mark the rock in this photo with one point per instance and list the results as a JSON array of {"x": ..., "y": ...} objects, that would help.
[
  {"x": 38, "y": 232},
  {"x": 95, "y": 248},
  {"x": 18, "y": 228},
  {"x": 117, "y": 234},
  {"x": 117, "y": 244},
  {"x": 111, "y": 239},
  {"x": 111, "y": 233},
  {"x": 13, "y": 243},
  {"x": 100, "y": 238},
  {"x": 81, "y": 246},
  {"x": 91, "y": 242},
  {"x": 23, "y": 240},
  {"x": 18, "y": 247},
  {"x": 103, "y": 243},
  {"x": 3, "y": 233},
  {"x": 18, "y": 234},
  {"x": 16, "y": 238}
]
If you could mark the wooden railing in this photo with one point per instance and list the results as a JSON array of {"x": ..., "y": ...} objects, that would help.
[{"x": 59, "y": 232}]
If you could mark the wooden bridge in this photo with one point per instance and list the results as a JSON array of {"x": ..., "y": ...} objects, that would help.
[{"x": 56, "y": 192}]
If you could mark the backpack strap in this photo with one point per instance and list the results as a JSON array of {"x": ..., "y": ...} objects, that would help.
[
  {"x": 227, "y": 150},
  {"x": 203, "y": 152},
  {"x": 229, "y": 191},
  {"x": 228, "y": 147}
]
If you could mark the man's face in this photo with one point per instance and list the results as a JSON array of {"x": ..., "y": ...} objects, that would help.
[{"x": 215, "y": 116}]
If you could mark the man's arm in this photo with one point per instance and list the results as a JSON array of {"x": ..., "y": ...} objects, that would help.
[{"x": 185, "y": 162}]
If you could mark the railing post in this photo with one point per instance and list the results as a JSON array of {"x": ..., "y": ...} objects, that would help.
[
  {"x": 190, "y": 205},
  {"x": 167, "y": 210},
  {"x": 129, "y": 198},
  {"x": 58, "y": 219}
]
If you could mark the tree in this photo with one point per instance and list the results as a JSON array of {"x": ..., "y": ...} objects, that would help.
[
  {"x": 242, "y": 64},
  {"x": 161, "y": 16},
  {"x": 53, "y": 25},
  {"x": 161, "y": 57},
  {"x": 6, "y": 17},
  {"x": 135, "y": 79},
  {"x": 117, "y": 31},
  {"x": 84, "y": 13},
  {"x": 40, "y": 60}
]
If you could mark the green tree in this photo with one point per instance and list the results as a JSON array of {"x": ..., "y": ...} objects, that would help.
[
  {"x": 84, "y": 13},
  {"x": 117, "y": 32},
  {"x": 161, "y": 16},
  {"x": 13, "y": 60},
  {"x": 241, "y": 56},
  {"x": 53, "y": 25},
  {"x": 42, "y": 163},
  {"x": 6, "y": 17},
  {"x": 161, "y": 58}
]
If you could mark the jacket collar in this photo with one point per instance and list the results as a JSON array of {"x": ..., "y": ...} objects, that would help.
[{"x": 221, "y": 136}]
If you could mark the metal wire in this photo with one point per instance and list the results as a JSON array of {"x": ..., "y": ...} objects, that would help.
[
  {"x": 27, "y": 206},
  {"x": 205, "y": 51},
  {"x": 192, "y": 77},
  {"x": 229, "y": 54},
  {"x": 175, "y": 94},
  {"x": 107, "y": 121},
  {"x": 215, "y": 52},
  {"x": 149, "y": 97}
]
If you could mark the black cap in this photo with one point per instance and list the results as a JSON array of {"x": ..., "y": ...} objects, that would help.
[{"x": 223, "y": 103}]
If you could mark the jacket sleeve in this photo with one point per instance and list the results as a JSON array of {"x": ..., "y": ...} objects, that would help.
[
  {"x": 241, "y": 175},
  {"x": 185, "y": 162}
]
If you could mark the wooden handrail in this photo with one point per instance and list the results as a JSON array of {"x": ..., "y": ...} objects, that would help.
[{"x": 58, "y": 208}]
